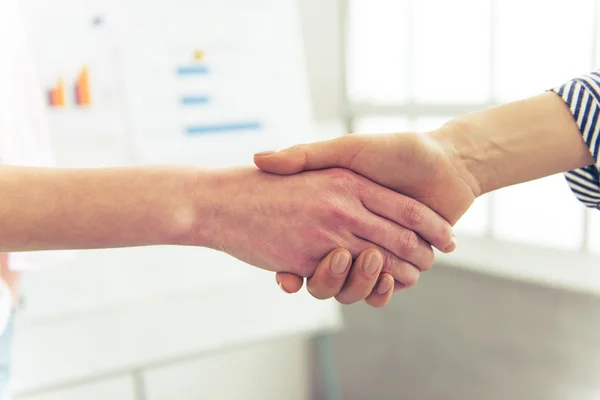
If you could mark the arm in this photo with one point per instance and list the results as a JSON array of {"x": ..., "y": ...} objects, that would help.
[
  {"x": 448, "y": 168},
  {"x": 47, "y": 209},
  {"x": 514, "y": 143},
  {"x": 276, "y": 223}
]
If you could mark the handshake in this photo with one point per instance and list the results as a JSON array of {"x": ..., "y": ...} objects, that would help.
[{"x": 357, "y": 215}]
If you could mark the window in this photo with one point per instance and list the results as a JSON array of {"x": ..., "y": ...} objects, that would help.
[
  {"x": 414, "y": 64},
  {"x": 441, "y": 68},
  {"x": 376, "y": 66},
  {"x": 535, "y": 46}
]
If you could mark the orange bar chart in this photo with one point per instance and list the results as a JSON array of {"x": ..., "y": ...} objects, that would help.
[
  {"x": 56, "y": 95},
  {"x": 82, "y": 89}
]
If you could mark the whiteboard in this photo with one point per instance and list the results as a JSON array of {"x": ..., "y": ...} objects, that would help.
[{"x": 206, "y": 82}]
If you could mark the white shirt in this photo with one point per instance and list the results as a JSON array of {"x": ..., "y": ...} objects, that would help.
[{"x": 24, "y": 137}]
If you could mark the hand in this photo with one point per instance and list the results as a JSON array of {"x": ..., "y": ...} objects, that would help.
[
  {"x": 416, "y": 165},
  {"x": 290, "y": 223},
  {"x": 375, "y": 289}
]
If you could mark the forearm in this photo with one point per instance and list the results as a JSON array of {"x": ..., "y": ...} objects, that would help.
[
  {"x": 514, "y": 143},
  {"x": 47, "y": 209}
]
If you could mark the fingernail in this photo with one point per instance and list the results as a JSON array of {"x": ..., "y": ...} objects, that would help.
[
  {"x": 384, "y": 286},
  {"x": 340, "y": 262},
  {"x": 372, "y": 263},
  {"x": 266, "y": 153},
  {"x": 282, "y": 288},
  {"x": 398, "y": 286},
  {"x": 452, "y": 246}
]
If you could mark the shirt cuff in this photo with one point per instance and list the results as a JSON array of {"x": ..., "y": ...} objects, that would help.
[{"x": 582, "y": 96}]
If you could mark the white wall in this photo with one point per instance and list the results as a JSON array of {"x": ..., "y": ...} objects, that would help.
[{"x": 267, "y": 371}]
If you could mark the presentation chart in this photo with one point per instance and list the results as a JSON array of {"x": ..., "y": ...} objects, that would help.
[
  {"x": 56, "y": 95},
  {"x": 81, "y": 96},
  {"x": 215, "y": 87},
  {"x": 222, "y": 128},
  {"x": 195, "y": 68},
  {"x": 200, "y": 71},
  {"x": 78, "y": 59},
  {"x": 82, "y": 89}
]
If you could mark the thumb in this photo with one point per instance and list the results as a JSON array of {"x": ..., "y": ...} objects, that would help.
[{"x": 305, "y": 157}]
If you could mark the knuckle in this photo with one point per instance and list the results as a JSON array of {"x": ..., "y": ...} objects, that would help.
[
  {"x": 409, "y": 244},
  {"x": 412, "y": 212},
  {"x": 354, "y": 220},
  {"x": 300, "y": 149},
  {"x": 342, "y": 179},
  {"x": 344, "y": 215},
  {"x": 320, "y": 235},
  {"x": 338, "y": 213}
]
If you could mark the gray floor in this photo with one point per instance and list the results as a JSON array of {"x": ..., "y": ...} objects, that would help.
[{"x": 460, "y": 335}]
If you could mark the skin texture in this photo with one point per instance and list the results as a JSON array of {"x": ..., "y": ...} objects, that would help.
[
  {"x": 293, "y": 222},
  {"x": 448, "y": 168},
  {"x": 277, "y": 223}
]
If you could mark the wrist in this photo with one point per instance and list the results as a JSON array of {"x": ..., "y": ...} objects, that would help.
[
  {"x": 191, "y": 213},
  {"x": 211, "y": 208},
  {"x": 464, "y": 153}
]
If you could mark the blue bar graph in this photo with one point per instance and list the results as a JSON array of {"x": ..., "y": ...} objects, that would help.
[
  {"x": 194, "y": 100},
  {"x": 193, "y": 70},
  {"x": 223, "y": 128}
]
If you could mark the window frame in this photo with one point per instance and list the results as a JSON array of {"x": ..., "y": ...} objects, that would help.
[{"x": 535, "y": 263}]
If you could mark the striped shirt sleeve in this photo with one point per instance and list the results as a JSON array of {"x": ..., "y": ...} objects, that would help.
[{"x": 582, "y": 96}]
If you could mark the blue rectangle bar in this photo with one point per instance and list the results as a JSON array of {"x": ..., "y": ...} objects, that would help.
[
  {"x": 223, "y": 128},
  {"x": 194, "y": 100},
  {"x": 192, "y": 70}
]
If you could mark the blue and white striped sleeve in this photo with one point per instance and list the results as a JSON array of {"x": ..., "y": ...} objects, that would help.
[{"x": 582, "y": 96}]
